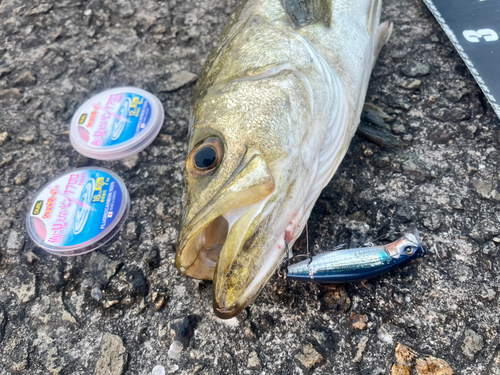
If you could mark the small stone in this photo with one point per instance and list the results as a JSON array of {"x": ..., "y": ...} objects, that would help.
[
  {"x": 368, "y": 152},
  {"x": 485, "y": 189},
  {"x": 102, "y": 268},
  {"x": 31, "y": 257},
  {"x": 15, "y": 241},
  {"x": 107, "y": 304},
  {"x": 160, "y": 30},
  {"x": 4, "y": 137},
  {"x": 309, "y": 357},
  {"x": 131, "y": 162},
  {"x": 175, "y": 350},
  {"x": 488, "y": 294},
  {"x": 407, "y": 138},
  {"x": 415, "y": 69},
  {"x": 399, "y": 129},
  {"x": 24, "y": 80},
  {"x": 158, "y": 370},
  {"x": 131, "y": 231},
  {"x": 158, "y": 300},
  {"x": 254, "y": 361},
  {"x": 30, "y": 135},
  {"x": 473, "y": 343},
  {"x": 432, "y": 366},
  {"x": 178, "y": 80},
  {"x": 87, "y": 12},
  {"x": 113, "y": 356},
  {"x": 23, "y": 284},
  {"x": 411, "y": 85},
  {"x": 96, "y": 294},
  {"x": 455, "y": 202},
  {"x": 361, "y": 348},
  {"x": 358, "y": 321}
]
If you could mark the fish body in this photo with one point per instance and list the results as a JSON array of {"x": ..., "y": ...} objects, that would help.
[
  {"x": 350, "y": 265},
  {"x": 274, "y": 111}
]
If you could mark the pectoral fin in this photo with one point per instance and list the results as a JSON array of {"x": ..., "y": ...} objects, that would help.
[{"x": 306, "y": 12}]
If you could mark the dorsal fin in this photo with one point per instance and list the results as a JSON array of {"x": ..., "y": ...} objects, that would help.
[{"x": 306, "y": 12}]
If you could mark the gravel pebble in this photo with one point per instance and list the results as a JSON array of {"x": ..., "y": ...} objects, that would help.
[
  {"x": 113, "y": 357},
  {"x": 415, "y": 69},
  {"x": 473, "y": 343},
  {"x": 15, "y": 241}
]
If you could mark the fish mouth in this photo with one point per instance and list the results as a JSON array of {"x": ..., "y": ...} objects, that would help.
[
  {"x": 234, "y": 252},
  {"x": 227, "y": 240}
]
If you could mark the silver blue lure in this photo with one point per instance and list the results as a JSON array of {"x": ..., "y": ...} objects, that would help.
[{"x": 349, "y": 265}]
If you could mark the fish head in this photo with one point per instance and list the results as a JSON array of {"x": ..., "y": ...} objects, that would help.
[
  {"x": 239, "y": 191},
  {"x": 409, "y": 246}
]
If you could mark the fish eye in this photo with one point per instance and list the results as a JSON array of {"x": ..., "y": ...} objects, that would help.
[
  {"x": 205, "y": 156},
  {"x": 409, "y": 250}
]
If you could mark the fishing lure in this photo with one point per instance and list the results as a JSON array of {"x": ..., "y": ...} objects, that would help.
[{"x": 349, "y": 265}]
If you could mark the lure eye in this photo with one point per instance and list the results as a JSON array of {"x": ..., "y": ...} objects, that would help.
[
  {"x": 409, "y": 250},
  {"x": 205, "y": 157}
]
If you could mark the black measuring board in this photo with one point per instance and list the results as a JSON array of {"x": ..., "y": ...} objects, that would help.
[{"x": 473, "y": 27}]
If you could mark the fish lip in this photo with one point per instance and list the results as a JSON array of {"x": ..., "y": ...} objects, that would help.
[
  {"x": 229, "y": 301},
  {"x": 224, "y": 313}
]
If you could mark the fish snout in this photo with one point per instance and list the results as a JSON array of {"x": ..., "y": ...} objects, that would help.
[{"x": 223, "y": 223}]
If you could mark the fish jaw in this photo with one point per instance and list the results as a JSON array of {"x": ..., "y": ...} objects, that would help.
[
  {"x": 247, "y": 261},
  {"x": 202, "y": 235}
]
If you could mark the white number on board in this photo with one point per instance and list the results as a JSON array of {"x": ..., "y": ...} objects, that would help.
[{"x": 476, "y": 36}]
